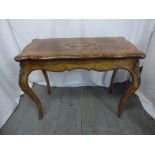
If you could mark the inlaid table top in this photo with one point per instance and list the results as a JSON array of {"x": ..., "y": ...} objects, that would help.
[{"x": 79, "y": 48}]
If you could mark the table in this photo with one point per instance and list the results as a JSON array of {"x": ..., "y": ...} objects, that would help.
[{"x": 60, "y": 54}]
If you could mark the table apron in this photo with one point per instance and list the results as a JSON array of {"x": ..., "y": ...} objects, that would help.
[{"x": 62, "y": 65}]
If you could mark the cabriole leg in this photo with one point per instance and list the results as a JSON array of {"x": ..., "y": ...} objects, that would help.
[
  {"x": 23, "y": 83},
  {"x": 112, "y": 80},
  {"x": 47, "y": 81},
  {"x": 132, "y": 88}
]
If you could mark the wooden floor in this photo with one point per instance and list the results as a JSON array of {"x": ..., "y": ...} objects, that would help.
[{"x": 80, "y": 110}]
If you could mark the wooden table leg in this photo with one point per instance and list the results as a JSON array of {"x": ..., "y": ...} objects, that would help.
[
  {"x": 47, "y": 81},
  {"x": 23, "y": 83},
  {"x": 112, "y": 80},
  {"x": 132, "y": 88}
]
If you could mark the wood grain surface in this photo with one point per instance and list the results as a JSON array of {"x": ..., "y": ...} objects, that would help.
[{"x": 79, "y": 48}]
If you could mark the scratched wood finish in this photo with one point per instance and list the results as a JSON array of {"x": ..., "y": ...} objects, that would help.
[{"x": 100, "y": 54}]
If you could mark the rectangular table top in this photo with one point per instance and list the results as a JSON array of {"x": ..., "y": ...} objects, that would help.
[{"x": 80, "y": 48}]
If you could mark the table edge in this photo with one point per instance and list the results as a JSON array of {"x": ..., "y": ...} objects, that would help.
[{"x": 19, "y": 58}]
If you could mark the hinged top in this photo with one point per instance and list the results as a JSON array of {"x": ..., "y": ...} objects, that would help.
[{"x": 79, "y": 48}]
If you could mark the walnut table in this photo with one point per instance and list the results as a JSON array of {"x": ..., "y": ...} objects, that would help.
[{"x": 60, "y": 54}]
